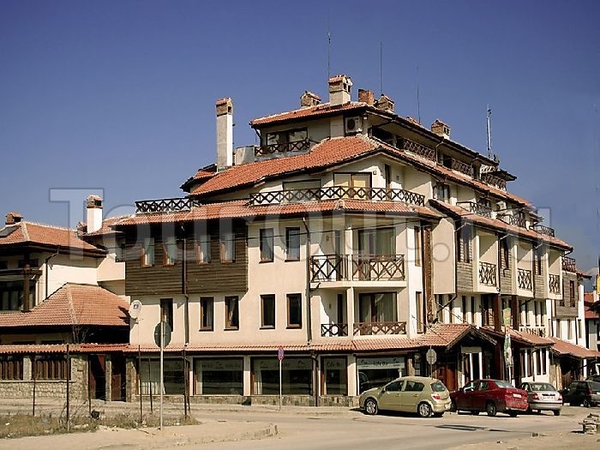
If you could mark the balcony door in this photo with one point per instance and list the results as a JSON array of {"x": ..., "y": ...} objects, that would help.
[
  {"x": 353, "y": 185},
  {"x": 379, "y": 307},
  {"x": 375, "y": 247}
]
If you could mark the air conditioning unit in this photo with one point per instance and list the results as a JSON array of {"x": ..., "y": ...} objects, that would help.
[{"x": 353, "y": 125}]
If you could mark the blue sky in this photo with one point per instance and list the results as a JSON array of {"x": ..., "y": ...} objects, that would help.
[{"x": 117, "y": 97}]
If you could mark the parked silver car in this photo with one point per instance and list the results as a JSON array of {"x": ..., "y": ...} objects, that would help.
[
  {"x": 422, "y": 395},
  {"x": 543, "y": 397}
]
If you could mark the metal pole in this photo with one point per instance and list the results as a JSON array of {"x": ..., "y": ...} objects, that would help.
[
  {"x": 150, "y": 386},
  {"x": 162, "y": 366},
  {"x": 139, "y": 380},
  {"x": 68, "y": 380},
  {"x": 34, "y": 384},
  {"x": 280, "y": 384}
]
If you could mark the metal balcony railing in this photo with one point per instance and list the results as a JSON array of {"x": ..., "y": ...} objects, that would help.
[{"x": 542, "y": 229}]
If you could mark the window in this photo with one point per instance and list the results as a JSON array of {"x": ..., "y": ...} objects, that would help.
[
  {"x": 572, "y": 293},
  {"x": 378, "y": 307},
  {"x": 11, "y": 367},
  {"x": 267, "y": 307},
  {"x": 227, "y": 247},
  {"x": 206, "y": 313},
  {"x": 465, "y": 235},
  {"x": 231, "y": 313},
  {"x": 504, "y": 253},
  {"x": 148, "y": 252},
  {"x": 50, "y": 367},
  {"x": 203, "y": 249},
  {"x": 442, "y": 192},
  {"x": 292, "y": 244},
  {"x": 539, "y": 252},
  {"x": 420, "y": 312},
  {"x": 294, "y": 310},
  {"x": 288, "y": 141},
  {"x": 357, "y": 185},
  {"x": 12, "y": 294},
  {"x": 170, "y": 251},
  {"x": 166, "y": 311},
  {"x": 266, "y": 245},
  {"x": 418, "y": 245}
]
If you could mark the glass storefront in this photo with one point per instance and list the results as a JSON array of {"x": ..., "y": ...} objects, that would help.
[
  {"x": 150, "y": 377},
  {"x": 219, "y": 376},
  {"x": 296, "y": 376},
  {"x": 335, "y": 376},
  {"x": 375, "y": 372}
]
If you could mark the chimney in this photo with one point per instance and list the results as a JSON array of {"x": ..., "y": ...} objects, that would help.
[
  {"x": 309, "y": 99},
  {"x": 339, "y": 90},
  {"x": 385, "y": 103},
  {"x": 441, "y": 129},
  {"x": 13, "y": 218},
  {"x": 94, "y": 213},
  {"x": 366, "y": 96},
  {"x": 224, "y": 108}
]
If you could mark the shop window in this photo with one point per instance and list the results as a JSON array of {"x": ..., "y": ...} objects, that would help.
[
  {"x": 296, "y": 376},
  {"x": 173, "y": 378},
  {"x": 219, "y": 376},
  {"x": 335, "y": 376}
]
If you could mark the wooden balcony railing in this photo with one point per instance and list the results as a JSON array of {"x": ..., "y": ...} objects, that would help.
[
  {"x": 362, "y": 268},
  {"x": 477, "y": 208},
  {"x": 164, "y": 205},
  {"x": 493, "y": 180},
  {"x": 554, "y": 284},
  {"x": 543, "y": 229},
  {"x": 377, "y": 267},
  {"x": 487, "y": 273},
  {"x": 375, "y": 328},
  {"x": 336, "y": 193},
  {"x": 334, "y": 329},
  {"x": 462, "y": 167},
  {"x": 418, "y": 149},
  {"x": 524, "y": 280},
  {"x": 568, "y": 264},
  {"x": 283, "y": 147},
  {"x": 537, "y": 330}
]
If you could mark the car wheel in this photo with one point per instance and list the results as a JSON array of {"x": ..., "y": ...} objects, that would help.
[
  {"x": 371, "y": 407},
  {"x": 475, "y": 413},
  {"x": 514, "y": 413},
  {"x": 490, "y": 409},
  {"x": 556, "y": 412},
  {"x": 424, "y": 410},
  {"x": 586, "y": 403}
]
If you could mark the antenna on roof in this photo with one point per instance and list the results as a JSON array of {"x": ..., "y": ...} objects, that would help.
[
  {"x": 489, "y": 132},
  {"x": 381, "y": 68},
  {"x": 328, "y": 47}
]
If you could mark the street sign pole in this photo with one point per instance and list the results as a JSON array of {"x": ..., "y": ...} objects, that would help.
[
  {"x": 280, "y": 358},
  {"x": 162, "y": 366}
]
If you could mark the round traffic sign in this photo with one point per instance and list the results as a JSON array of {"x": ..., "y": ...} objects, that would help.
[{"x": 431, "y": 356}]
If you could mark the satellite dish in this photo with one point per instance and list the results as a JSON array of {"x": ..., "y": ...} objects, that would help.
[{"x": 134, "y": 309}]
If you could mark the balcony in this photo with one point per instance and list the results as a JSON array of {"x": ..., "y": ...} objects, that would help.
[
  {"x": 493, "y": 180},
  {"x": 336, "y": 193},
  {"x": 379, "y": 328},
  {"x": 462, "y": 167},
  {"x": 517, "y": 219},
  {"x": 487, "y": 274},
  {"x": 568, "y": 264},
  {"x": 524, "y": 280},
  {"x": 554, "y": 284},
  {"x": 164, "y": 205},
  {"x": 357, "y": 268},
  {"x": 477, "y": 208},
  {"x": 543, "y": 230},
  {"x": 537, "y": 330},
  {"x": 283, "y": 148},
  {"x": 418, "y": 149},
  {"x": 334, "y": 329}
]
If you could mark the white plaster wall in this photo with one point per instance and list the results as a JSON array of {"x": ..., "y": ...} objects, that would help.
[{"x": 444, "y": 264}]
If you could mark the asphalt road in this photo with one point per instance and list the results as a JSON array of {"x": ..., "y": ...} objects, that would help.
[{"x": 353, "y": 430}]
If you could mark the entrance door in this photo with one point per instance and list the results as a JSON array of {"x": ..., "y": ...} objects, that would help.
[
  {"x": 97, "y": 376},
  {"x": 117, "y": 380}
]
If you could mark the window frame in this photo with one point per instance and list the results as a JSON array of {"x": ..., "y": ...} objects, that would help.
[
  {"x": 203, "y": 250},
  {"x": 166, "y": 311},
  {"x": 292, "y": 252},
  {"x": 148, "y": 258},
  {"x": 290, "y": 298},
  {"x": 267, "y": 245},
  {"x": 268, "y": 318},
  {"x": 207, "y": 313},
  {"x": 232, "y": 317},
  {"x": 170, "y": 251},
  {"x": 227, "y": 244}
]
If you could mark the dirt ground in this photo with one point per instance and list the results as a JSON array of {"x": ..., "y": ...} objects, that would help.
[{"x": 558, "y": 441}]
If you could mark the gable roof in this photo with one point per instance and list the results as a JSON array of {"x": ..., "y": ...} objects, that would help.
[
  {"x": 72, "y": 304},
  {"x": 26, "y": 233},
  {"x": 566, "y": 348},
  {"x": 320, "y": 110}
]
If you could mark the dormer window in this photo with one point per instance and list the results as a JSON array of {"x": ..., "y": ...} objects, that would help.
[{"x": 285, "y": 141}]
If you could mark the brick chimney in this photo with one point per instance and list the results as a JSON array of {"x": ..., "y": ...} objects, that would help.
[
  {"x": 441, "y": 129},
  {"x": 93, "y": 213},
  {"x": 13, "y": 218},
  {"x": 366, "y": 96},
  {"x": 385, "y": 103},
  {"x": 309, "y": 99},
  {"x": 224, "y": 109},
  {"x": 339, "y": 90}
]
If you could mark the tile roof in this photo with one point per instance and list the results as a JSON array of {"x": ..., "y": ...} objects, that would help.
[
  {"x": 72, "y": 304},
  {"x": 241, "y": 209},
  {"x": 31, "y": 233},
  {"x": 520, "y": 337},
  {"x": 306, "y": 113},
  {"x": 61, "y": 348},
  {"x": 497, "y": 224},
  {"x": 566, "y": 348},
  {"x": 107, "y": 227}
]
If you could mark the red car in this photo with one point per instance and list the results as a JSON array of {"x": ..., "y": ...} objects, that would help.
[{"x": 491, "y": 396}]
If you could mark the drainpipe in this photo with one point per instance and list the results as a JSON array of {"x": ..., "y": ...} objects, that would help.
[
  {"x": 184, "y": 290},
  {"x": 46, "y": 270},
  {"x": 308, "y": 306}
]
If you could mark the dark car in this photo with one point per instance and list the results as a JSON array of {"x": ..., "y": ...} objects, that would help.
[
  {"x": 491, "y": 396},
  {"x": 584, "y": 392}
]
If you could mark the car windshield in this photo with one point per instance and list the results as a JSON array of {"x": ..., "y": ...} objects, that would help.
[
  {"x": 503, "y": 384},
  {"x": 438, "y": 386},
  {"x": 595, "y": 385},
  {"x": 542, "y": 387}
]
